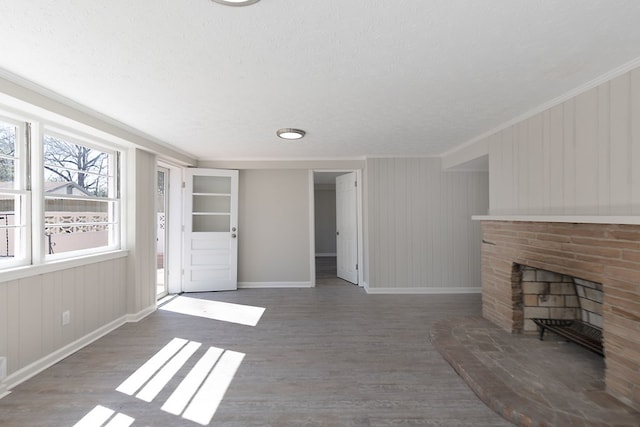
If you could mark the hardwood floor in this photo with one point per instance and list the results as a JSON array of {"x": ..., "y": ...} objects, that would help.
[{"x": 330, "y": 355}]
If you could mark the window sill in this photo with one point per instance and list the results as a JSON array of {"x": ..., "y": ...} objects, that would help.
[{"x": 34, "y": 270}]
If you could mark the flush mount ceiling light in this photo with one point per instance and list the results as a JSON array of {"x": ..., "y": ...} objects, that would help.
[
  {"x": 236, "y": 2},
  {"x": 288, "y": 133}
]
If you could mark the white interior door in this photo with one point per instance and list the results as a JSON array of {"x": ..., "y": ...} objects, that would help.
[
  {"x": 211, "y": 230},
  {"x": 347, "y": 227}
]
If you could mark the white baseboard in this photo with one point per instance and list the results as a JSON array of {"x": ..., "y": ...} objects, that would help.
[
  {"x": 133, "y": 318},
  {"x": 51, "y": 359},
  {"x": 266, "y": 285},
  {"x": 430, "y": 291},
  {"x": 326, "y": 254}
]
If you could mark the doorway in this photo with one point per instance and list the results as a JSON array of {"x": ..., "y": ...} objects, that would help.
[
  {"x": 336, "y": 227},
  {"x": 162, "y": 221}
]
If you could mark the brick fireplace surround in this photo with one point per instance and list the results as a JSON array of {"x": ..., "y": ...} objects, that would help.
[{"x": 602, "y": 253}]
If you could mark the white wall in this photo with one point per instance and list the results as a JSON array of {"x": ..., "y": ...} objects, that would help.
[
  {"x": 581, "y": 157},
  {"x": 273, "y": 227},
  {"x": 325, "y": 219},
  {"x": 420, "y": 233}
]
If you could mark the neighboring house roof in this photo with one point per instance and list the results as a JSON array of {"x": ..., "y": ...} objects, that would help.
[
  {"x": 57, "y": 187},
  {"x": 65, "y": 187}
]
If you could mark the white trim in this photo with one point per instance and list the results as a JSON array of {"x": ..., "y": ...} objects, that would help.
[
  {"x": 269, "y": 285},
  {"x": 136, "y": 317},
  {"x": 175, "y": 222},
  {"x": 325, "y": 254},
  {"x": 610, "y": 75},
  {"x": 403, "y": 156},
  {"x": 576, "y": 219},
  {"x": 51, "y": 359},
  {"x": 38, "y": 269},
  {"x": 360, "y": 216},
  {"x": 429, "y": 291},
  {"x": 312, "y": 228}
]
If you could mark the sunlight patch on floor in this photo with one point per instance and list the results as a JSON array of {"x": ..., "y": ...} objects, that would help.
[
  {"x": 100, "y": 414},
  {"x": 224, "y": 311},
  {"x": 202, "y": 389}
]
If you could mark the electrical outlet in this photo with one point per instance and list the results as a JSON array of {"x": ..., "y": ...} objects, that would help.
[{"x": 66, "y": 317}]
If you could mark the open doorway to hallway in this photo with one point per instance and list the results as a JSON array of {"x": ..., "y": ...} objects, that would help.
[{"x": 336, "y": 231}]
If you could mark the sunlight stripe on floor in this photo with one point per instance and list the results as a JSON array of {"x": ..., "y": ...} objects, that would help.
[
  {"x": 120, "y": 420},
  {"x": 216, "y": 310},
  {"x": 150, "y": 367},
  {"x": 181, "y": 396},
  {"x": 157, "y": 383},
  {"x": 96, "y": 417},
  {"x": 205, "y": 403}
]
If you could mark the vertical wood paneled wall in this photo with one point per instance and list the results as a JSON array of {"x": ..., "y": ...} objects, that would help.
[
  {"x": 141, "y": 230},
  {"x": 31, "y": 309},
  {"x": 581, "y": 157},
  {"x": 420, "y": 232}
]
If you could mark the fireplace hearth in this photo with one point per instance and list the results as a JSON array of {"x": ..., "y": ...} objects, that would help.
[{"x": 593, "y": 273}]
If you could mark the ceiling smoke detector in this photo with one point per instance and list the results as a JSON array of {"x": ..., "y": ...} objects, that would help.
[
  {"x": 289, "y": 133},
  {"x": 236, "y": 2}
]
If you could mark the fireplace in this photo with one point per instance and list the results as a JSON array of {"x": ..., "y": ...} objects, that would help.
[{"x": 589, "y": 272}]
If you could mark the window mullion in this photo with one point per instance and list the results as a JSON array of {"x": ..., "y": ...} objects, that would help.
[{"x": 37, "y": 194}]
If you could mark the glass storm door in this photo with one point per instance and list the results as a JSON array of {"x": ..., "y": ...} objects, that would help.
[{"x": 162, "y": 203}]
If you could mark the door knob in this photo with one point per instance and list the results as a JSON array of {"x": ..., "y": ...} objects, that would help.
[
  {"x": 233, "y": 236},
  {"x": 337, "y": 233},
  {"x": 233, "y": 229}
]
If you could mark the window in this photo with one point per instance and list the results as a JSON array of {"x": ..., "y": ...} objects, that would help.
[
  {"x": 81, "y": 203},
  {"x": 14, "y": 245},
  {"x": 59, "y": 193}
]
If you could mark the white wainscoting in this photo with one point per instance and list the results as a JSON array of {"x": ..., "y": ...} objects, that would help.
[{"x": 31, "y": 332}]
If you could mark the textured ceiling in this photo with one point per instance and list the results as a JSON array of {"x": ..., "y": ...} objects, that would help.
[{"x": 362, "y": 77}]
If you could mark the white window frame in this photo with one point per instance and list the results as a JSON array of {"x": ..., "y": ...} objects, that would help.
[
  {"x": 114, "y": 200},
  {"x": 22, "y": 243}
]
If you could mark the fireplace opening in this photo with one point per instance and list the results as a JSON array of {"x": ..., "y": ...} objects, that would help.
[{"x": 568, "y": 306}]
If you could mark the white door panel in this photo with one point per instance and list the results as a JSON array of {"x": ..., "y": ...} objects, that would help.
[
  {"x": 347, "y": 227},
  {"x": 210, "y": 231}
]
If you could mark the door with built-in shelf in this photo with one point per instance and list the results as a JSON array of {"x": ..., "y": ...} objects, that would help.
[{"x": 211, "y": 230}]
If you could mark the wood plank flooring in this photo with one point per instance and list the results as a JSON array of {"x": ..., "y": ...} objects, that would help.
[{"x": 327, "y": 356}]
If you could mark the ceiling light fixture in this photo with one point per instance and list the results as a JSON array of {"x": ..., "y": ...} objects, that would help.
[
  {"x": 236, "y": 2},
  {"x": 288, "y": 133}
]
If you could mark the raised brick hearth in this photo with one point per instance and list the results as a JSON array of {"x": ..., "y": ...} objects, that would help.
[{"x": 600, "y": 253}]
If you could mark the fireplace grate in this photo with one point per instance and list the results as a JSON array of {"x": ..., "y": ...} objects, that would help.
[{"x": 577, "y": 331}]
